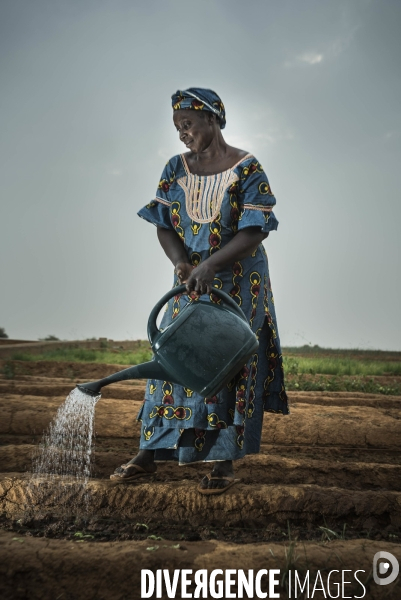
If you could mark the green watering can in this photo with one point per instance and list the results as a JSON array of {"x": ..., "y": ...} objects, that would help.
[{"x": 202, "y": 349}]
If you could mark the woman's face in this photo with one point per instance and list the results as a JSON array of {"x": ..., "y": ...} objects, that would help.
[{"x": 196, "y": 129}]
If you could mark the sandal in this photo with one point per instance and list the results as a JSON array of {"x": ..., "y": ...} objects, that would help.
[
  {"x": 210, "y": 491},
  {"x": 124, "y": 476}
]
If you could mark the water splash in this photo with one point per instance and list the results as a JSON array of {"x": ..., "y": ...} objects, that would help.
[{"x": 62, "y": 464}]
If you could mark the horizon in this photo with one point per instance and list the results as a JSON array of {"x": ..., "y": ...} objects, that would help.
[{"x": 285, "y": 347}]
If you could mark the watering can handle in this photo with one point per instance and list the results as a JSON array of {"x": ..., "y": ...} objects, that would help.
[{"x": 152, "y": 327}]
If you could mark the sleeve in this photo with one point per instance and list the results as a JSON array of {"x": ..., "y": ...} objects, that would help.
[
  {"x": 256, "y": 200},
  {"x": 158, "y": 210}
]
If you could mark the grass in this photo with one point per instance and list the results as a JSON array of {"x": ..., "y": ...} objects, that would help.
[
  {"x": 333, "y": 365},
  {"x": 308, "y": 350},
  {"x": 105, "y": 356},
  {"x": 320, "y": 383},
  {"x": 320, "y": 370}
]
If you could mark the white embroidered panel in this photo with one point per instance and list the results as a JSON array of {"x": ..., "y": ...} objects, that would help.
[{"x": 204, "y": 194}]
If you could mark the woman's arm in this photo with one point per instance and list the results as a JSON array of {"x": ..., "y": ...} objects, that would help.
[
  {"x": 172, "y": 246},
  {"x": 243, "y": 244},
  {"x": 175, "y": 250}
]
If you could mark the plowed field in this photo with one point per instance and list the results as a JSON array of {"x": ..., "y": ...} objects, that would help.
[{"x": 324, "y": 493}]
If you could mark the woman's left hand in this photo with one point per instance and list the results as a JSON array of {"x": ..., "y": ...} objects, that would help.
[
  {"x": 201, "y": 279},
  {"x": 183, "y": 270}
]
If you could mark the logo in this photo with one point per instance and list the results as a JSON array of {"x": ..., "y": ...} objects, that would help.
[{"x": 385, "y": 563}]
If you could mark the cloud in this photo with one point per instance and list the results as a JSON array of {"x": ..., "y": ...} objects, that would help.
[
  {"x": 391, "y": 135},
  {"x": 116, "y": 172},
  {"x": 331, "y": 50},
  {"x": 307, "y": 58},
  {"x": 311, "y": 58}
]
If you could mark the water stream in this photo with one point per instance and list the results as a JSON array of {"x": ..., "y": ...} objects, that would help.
[{"x": 62, "y": 464}]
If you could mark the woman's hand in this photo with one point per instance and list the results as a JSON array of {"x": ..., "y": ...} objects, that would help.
[
  {"x": 201, "y": 279},
  {"x": 183, "y": 270}
]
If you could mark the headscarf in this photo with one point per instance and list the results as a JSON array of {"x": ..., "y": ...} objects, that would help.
[{"x": 200, "y": 99}]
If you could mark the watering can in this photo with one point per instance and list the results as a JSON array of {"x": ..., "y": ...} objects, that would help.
[{"x": 202, "y": 349}]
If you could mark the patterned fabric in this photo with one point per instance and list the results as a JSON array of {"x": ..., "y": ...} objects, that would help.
[
  {"x": 175, "y": 421},
  {"x": 200, "y": 99}
]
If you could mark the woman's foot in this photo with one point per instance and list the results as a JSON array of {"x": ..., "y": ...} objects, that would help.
[
  {"x": 221, "y": 477},
  {"x": 141, "y": 465}
]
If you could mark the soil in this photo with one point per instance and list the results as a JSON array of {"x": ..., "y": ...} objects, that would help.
[
  {"x": 325, "y": 491},
  {"x": 43, "y": 569}
]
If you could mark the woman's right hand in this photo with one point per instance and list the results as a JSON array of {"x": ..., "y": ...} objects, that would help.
[{"x": 183, "y": 271}]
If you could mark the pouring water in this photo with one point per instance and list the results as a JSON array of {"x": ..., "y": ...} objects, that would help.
[{"x": 63, "y": 461}]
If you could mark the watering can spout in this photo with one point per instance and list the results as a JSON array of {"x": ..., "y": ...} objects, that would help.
[
  {"x": 148, "y": 370},
  {"x": 90, "y": 389}
]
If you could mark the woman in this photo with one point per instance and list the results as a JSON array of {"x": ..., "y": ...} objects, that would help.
[{"x": 212, "y": 210}]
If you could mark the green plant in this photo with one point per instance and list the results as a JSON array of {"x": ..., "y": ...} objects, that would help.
[
  {"x": 291, "y": 365},
  {"x": 8, "y": 370},
  {"x": 290, "y": 564},
  {"x": 329, "y": 534},
  {"x": 340, "y": 366},
  {"x": 121, "y": 357},
  {"x": 320, "y": 383},
  {"x": 80, "y": 534},
  {"x": 3, "y": 333}
]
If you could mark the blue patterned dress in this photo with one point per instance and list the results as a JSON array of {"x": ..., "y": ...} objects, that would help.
[{"x": 207, "y": 212}]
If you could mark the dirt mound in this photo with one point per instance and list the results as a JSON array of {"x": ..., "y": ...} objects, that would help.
[
  {"x": 246, "y": 506},
  {"x": 52, "y": 368},
  {"x": 330, "y": 470},
  {"x": 43, "y": 569}
]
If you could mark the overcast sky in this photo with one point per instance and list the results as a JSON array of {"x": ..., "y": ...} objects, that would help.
[{"x": 312, "y": 88}]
